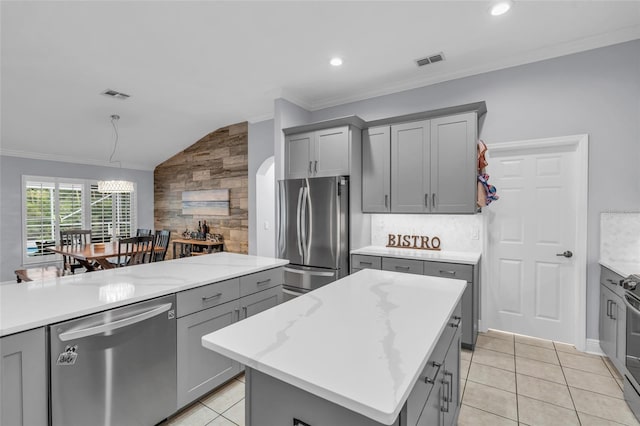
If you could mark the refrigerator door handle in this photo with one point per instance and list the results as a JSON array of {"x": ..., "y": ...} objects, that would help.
[
  {"x": 299, "y": 220},
  {"x": 309, "y": 219}
]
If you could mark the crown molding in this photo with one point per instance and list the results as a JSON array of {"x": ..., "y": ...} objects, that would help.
[{"x": 549, "y": 52}]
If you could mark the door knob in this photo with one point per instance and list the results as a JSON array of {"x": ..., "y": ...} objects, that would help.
[{"x": 565, "y": 254}]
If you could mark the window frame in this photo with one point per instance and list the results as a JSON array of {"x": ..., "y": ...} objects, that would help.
[{"x": 86, "y": 209}]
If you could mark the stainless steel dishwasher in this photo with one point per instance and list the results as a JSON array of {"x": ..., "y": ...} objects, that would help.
[{"x": 116, "y": 367}]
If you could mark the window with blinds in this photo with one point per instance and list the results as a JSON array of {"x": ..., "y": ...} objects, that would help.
[
  {"x": 111, "y": 215},
  {"x": 51, "y": 205}
]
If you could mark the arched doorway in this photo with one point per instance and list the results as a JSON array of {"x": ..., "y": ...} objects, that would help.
[{"x": 265, "y": 209}]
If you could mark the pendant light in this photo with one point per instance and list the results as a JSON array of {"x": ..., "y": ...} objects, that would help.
[{"x": 115, "y": 186}]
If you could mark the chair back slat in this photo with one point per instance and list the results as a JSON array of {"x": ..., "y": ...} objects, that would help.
[
  {"x": 162, "y": 240},
  {"x": 73, "y": 238},
  {"x": 141, "y": 232},
  {"x": 135, "y": 250}
]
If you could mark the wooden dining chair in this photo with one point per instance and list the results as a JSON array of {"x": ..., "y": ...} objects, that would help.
[
  {"x": 134, "y": 251},
  {"x": 162, "y": 240},
  {"x": 141, "y": 232},
  {"x": 74, "y": 239}
]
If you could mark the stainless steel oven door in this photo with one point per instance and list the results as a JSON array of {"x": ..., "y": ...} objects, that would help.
[{"x": 632, "y": 359}]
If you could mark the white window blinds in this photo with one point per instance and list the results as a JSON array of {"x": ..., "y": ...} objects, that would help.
[{"x": 51, "y": 205}]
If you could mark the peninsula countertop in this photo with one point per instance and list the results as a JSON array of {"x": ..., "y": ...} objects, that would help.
[
  {"x": 37, "y": 303},
  {"x": 467, "y": 257},
  {"x": 360, "y": 342}
]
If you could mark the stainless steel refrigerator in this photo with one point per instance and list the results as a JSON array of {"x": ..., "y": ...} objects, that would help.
[{"x": 313, "y": 232}]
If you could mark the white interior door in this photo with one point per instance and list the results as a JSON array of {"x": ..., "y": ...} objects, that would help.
[{"x": 532, "y": 288}]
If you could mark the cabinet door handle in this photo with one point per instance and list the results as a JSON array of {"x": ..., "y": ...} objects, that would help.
[
  {"x": 263, "y": 281},
  {"x": 457, "y": 322},
  {"x": 315, "y": 167},
  {"x": 613, "y": 310},
  {"x": 445, "y": 397},
  {"x": 432, "y": 380},
  {"x": 448, "y": 373},
  {"x": 237, "y": 311},
  {"x": 206, "y": 299},
  {"x": 426, "y": 200},
  {"x": 310, "y": 163},
  {"x": 244, "y": 312},
  {"x": 433, "y": 198},
  {"x": 609, "y": 308},
  {"x": 402, "y": 268},
  {"x": 447, "y": 272},
  {"x": 366, "y": 263},
  {"x": 614, "y": 282},
  {"x": 386, "y": 201}
]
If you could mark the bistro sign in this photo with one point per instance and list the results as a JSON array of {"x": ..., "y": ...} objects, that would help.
[{"x": 419, "y": 242}]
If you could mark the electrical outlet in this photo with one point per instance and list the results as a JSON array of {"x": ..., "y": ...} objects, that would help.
[
  {"x": 297, "y": 422},
  {"x": 475, "y": 234}
]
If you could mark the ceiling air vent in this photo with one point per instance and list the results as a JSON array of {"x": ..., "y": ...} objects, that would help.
[
  {"x": 115, "y": 94},
  {"x": 432, "y": 59}
]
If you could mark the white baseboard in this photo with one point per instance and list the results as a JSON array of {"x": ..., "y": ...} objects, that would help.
[{"x": 593, "y": 347}]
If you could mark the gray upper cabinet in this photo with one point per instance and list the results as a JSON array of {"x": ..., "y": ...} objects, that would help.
[
  {"x": 23, "y": 379},
  {"x": 429, "y": 165},
  {"x": 454, "y": 164},
  {"x": 410, "y": 144},
  {"x": 376, "y": 173},
  {"x": 318, "y": 154},
  {"x": 298, "y": 152}
]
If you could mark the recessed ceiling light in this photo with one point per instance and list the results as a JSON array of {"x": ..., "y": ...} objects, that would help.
[
  {"x": 500, "y": 7},
  {"x": 336, "y": 62}
]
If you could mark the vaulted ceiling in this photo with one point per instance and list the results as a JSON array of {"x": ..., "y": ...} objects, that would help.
[{"x": 194, "y": 66}]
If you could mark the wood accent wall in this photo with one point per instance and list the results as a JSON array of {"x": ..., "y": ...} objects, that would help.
[{"x": 217, "y": 161}]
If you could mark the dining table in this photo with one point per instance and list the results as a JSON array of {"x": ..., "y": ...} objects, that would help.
[{"x": 95, "y": 256}]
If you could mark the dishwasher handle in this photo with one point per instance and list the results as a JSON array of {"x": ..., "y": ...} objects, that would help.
[{"x": 110, "y": 326}]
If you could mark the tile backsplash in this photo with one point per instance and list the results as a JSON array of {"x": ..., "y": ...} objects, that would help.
[
  {"x": 456, "y": 232},
  {"x": 620, "y": 237}
]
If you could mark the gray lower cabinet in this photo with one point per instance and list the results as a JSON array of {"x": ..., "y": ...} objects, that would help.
[
  {"x": 205, "y": 309},
  {"x": 23, "y": 379},
  {"x": 201, "y": 370},
  {"x": 434, "y": 400},
  {"x": 469, "y": 273},
  {"x": 612, "y": 319}
]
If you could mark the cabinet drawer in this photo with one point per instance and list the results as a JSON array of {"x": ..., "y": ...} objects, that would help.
[
  {"x": 408, "y": 266},
  {"x": 449, "y": 270},
  {"x": 259, "y": 281},
  {"x": 610, "y": 279},
  {"x": 207, "y": 296},
  {"x": 359, "y": 261}
]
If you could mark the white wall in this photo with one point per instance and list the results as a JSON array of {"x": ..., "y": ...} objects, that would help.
[
  {"x": 265, "y": 215},
  {"x": 260, "y": 146},
  {"x": 11, "y": 171},
  {"x": 595, "y": 92}
]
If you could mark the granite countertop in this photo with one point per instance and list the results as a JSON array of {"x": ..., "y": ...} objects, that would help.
[
  {"x": 621, "y": 268},
  {"x": 33, "y": 304},
  {"x": 470, "y": 258},
  {"x": 360, "y": 342}
]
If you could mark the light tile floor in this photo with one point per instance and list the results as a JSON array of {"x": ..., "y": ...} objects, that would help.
[{"x": 508, "y": 380}]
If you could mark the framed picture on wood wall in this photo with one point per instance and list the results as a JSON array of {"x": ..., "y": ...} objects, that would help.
[{"x": 208, "y": 202}]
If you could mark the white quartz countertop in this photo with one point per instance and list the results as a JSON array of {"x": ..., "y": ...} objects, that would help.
[
  {"x": 33, "y": 304},
  {"x": 360, "y": 342},
  {"x": 466, "y": 257},
  {"x": 621, "y": 268}
]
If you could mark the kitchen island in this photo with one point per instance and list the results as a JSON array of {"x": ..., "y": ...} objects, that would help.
[
  {"x": 375, "y": 347},
  {"x": 87, "y": 378}
]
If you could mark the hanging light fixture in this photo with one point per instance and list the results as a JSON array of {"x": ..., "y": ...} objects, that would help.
[{"x": 115, "y": 186}]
